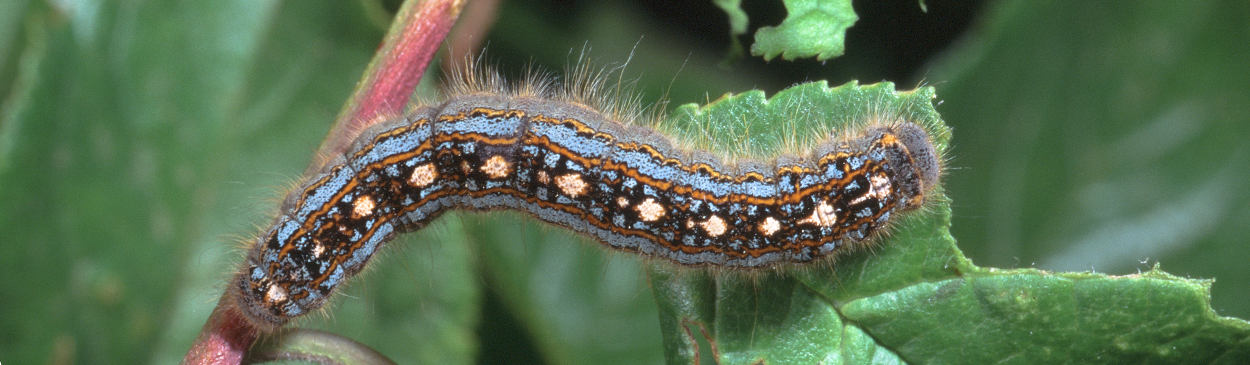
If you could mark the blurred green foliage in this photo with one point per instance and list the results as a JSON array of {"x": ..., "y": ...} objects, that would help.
[
  {"x": 813, "y": 28},
  {"x": 141, "y": 143}
]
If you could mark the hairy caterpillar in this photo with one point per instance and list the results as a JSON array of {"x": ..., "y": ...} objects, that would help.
[{"x": 584, "y": 168}]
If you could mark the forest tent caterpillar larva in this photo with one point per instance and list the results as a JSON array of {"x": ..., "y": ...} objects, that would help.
[{"x": 569, "y": 164}]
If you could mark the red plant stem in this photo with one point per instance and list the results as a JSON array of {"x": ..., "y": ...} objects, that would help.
[
  {"x": 410, "y": 44},
  {"x": 405, "y": 56},
  {"x": 224, "y": 339},
  {"x": 395, "y": 71}
]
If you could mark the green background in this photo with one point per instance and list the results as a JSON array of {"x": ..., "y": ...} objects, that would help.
[{"x": 142, "y": 142}]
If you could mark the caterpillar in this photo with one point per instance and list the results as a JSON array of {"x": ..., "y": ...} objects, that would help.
[{"x": 571, "y": 164}]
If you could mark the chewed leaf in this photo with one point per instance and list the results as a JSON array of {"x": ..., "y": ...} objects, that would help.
[
  {"x": 812, "y": 28},
  {"x": 750, "y": 125}
]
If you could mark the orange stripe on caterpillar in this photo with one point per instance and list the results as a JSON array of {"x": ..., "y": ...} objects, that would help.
[{"x": 629, "y": 187}]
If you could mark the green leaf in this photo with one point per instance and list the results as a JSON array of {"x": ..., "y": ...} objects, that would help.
[
  {"x": 993, "y": 316},
  {"x": 102, "y": 184},
  {"x": 812, "y": 28},
  {"x": 1095, "y": 140},
  {"x": 581, "y": 304}
]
